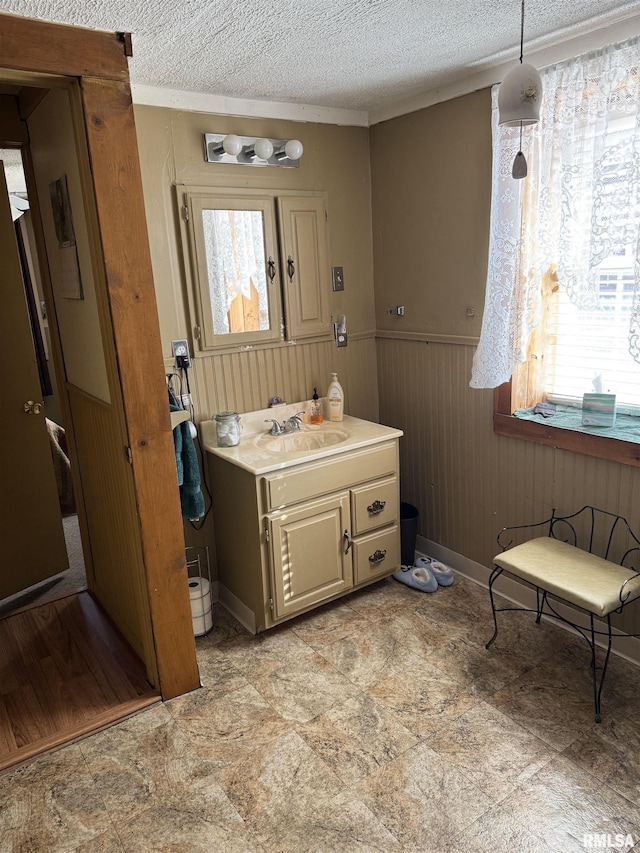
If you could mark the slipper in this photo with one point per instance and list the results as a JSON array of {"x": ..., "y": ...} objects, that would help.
[
  {"x": 418, "y": 577},
  {"x": 441, "y": 573}
]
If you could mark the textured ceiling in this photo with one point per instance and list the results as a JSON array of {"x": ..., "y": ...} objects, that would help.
[{"x": 353, "y": 54}]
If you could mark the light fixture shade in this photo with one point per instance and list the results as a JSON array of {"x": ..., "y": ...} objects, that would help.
[
  {"x": 520, "y": 95},
  {"x": 232, "y": 144},
  {"x": 293, "y": 149},
  {"x": 263, "y": 148}
]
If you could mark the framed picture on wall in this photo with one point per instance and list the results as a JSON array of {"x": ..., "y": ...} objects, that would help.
[{"x": 70, "y": 280}]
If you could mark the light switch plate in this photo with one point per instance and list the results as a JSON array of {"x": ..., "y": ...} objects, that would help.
[{"x": 337, "y": 278}]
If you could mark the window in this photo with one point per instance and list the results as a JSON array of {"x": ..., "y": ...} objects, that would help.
[
  {"x": 258, "y": 277},
  {"x": 562, "y": 311},
  {"x": 588, "y": 348}
]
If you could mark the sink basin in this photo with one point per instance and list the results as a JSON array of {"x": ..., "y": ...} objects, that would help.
[{"x": 294, "y": 442}]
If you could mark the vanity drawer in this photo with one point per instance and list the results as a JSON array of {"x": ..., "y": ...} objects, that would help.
[
  {"x": 376, "y": 554},
  {"x": 374, "y": 505},
  {"x": 332, "y": 474}
]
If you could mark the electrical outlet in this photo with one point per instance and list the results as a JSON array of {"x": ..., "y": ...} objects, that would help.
[
  {"x": 180, "y": 350},
  {"x": 337, "y": 278},
  {"x": 340, "y": 334}
]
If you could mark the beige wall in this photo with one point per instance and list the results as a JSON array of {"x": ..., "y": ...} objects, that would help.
[
  {"x": 431, "y": 186},
  {"x": 431, "y": 226},
  {"x": 53, "y": 148},
  {"x": 336, "y": 160}
]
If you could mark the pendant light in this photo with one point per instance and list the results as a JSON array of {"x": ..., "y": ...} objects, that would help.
[{"x": 519, "y": 99}]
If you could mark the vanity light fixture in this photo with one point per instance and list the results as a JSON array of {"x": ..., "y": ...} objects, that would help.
[
  {"x": 519, "y": 98},
  {"x": 230, "y": 144},
  {"x": 262, "y": 148},
  {"x": 252, "y": 151},
  {"x": 292, "y": 150}
]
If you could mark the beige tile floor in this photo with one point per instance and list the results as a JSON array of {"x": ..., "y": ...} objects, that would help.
[{"x": 377, "y": 723}]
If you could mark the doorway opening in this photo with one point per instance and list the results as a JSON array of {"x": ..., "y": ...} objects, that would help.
[
  {"x": 73, "y": 579},
  {"x": 67, "y": 671}
]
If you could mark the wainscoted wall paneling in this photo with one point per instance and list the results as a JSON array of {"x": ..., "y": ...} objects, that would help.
[
  {"x": 466, "y": 481},
  {"x": 245, "y": 381},
  {"x": 116, "y": 565}
]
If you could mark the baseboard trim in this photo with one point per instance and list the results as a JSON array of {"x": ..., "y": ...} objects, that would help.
[
  {"x": 237, "y": 608},
  {"x": 521, "y": 595}
]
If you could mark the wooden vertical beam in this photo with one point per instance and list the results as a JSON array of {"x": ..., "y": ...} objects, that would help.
[
  {"x": 30, "y": 52},
  {"x": 113, "y": 154}
]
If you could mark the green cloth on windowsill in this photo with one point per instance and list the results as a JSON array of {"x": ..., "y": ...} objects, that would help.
[{"x": 625, "y": 428}]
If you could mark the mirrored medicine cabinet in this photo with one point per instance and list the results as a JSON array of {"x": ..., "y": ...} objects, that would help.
[{"x": 258, "y": 263}]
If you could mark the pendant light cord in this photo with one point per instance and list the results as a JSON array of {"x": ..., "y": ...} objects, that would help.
[{"x": 522, "y": 32}]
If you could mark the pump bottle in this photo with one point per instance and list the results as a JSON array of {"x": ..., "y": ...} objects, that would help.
[{"x": 335, "y": 399}]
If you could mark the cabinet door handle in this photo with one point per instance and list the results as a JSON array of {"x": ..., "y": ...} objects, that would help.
[
  {"x": 348, "y": 542},
  {"x": 376, "y": 507},
  {"x": 291, "y": 269},
  {"x": 272, "y": 269},
  {"x": 377, "y": 556}
]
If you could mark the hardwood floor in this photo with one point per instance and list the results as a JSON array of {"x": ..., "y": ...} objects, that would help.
[{"x": 65, "y": 672}]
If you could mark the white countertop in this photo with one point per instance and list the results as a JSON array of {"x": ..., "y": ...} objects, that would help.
[{"x": 253, "y": 453}]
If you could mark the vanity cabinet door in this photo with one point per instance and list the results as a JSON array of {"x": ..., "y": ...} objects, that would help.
[
  {"x": 307, "y": 554},
  {"x": 305, "y": 265}
]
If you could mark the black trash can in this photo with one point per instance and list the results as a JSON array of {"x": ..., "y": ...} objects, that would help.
[{"x": 408, "y": 532}]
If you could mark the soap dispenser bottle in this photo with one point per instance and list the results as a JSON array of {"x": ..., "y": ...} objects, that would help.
[
  {"x": 335, "y": 398},
  {"x": 315, "y": 409}
]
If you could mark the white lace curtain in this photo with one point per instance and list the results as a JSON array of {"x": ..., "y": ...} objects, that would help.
[
  {"x": 234, "y": 245},
  {"x": 579, "y": 204}
]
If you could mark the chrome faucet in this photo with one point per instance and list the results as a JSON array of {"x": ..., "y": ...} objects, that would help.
[
  {"x": 293, "y": 423},
  {"x": 277, "y": 428},
  {"x": 290, "y": 425}
]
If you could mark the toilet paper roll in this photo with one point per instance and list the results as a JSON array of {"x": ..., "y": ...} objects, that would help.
[
  {"x": 198, "y": 587},
  {"x": 200, "y": 598},
  {"x": 202, "y": 624}
]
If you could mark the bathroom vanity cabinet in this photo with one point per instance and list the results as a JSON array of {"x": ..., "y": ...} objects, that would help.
[{"x": 313, "y": 528}]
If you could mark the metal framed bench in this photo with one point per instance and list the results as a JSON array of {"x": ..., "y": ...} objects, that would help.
[{"x": 588, "y": 559}]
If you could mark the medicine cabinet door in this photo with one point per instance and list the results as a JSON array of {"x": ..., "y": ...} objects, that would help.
[
  {"x": 305, "y": 265},
  {"x": 235, "y": 269}
]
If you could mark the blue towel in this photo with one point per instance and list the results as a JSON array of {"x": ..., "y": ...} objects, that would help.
[{"x": 191, "y": 499}]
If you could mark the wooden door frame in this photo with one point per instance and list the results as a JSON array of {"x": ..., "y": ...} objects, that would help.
[{"x": 98, "y": 62}]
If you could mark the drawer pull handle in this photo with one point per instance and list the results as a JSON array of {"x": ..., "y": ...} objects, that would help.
[
  {"x": 348, "y": 542},
  {"x": 378, "y": 556},
  {"x": 376, "y": 507}
]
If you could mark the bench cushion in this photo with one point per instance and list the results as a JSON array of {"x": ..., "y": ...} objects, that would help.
[{"x": 570, "y": 573}]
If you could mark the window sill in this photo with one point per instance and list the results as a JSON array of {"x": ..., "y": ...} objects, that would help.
[{"x": 600, "y": 446}]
